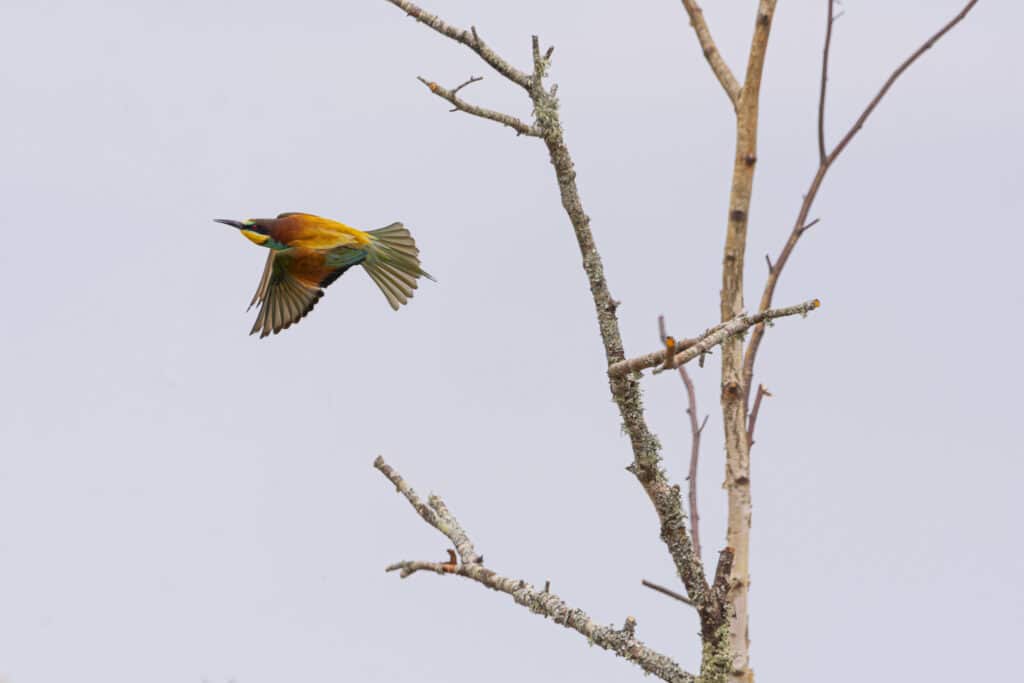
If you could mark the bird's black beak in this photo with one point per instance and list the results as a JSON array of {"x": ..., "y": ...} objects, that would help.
[{"x": 234, "y": 224}]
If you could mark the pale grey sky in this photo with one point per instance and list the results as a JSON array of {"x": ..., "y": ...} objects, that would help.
[{"x": 181, "y": 502}]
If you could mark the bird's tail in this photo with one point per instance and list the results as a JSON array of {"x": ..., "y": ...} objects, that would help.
[{"x": 393, "y": 263}]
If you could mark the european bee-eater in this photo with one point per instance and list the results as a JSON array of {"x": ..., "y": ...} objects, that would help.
[{"x": 308, "y": 253}]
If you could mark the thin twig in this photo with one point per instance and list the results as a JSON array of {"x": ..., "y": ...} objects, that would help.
[
  {"x": 859, "y": 123},
  {"x": 622, "y": 641},
  {"x": 810, "y": 225},
  {"x": 752, "y": 420},
  {"x": 824, "y": 81},
  {"x": 695, "y": 431},
  {"x": 470, "y": 81},
  {"x": 669, "y": 592},
  {"x": 520, "y": 127},
  {"x": 800, "y": 225}
]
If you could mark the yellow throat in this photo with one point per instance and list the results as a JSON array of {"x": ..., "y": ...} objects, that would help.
[{"x": 254, "y": 237}]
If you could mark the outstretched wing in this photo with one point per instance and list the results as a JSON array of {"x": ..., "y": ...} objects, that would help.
[{"x": 284, "y": 295}]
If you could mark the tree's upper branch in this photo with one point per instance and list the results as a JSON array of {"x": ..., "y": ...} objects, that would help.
[
  {"x": 711, "y": 53},
  {"x": 826, "y": 160},
  {"x": 460, "y": 104},
  {"x": 758, "y": 50},
  {"x": 470, "y": 39},
  {"x": 830, "y": 21},
  {"x": 859, "y": 123},
  {"x": 622, "y": 642}
]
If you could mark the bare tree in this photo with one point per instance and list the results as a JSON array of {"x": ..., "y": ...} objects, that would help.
[{"x": 720, "y": 600}]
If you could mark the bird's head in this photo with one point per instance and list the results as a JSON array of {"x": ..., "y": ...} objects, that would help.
[{"x": 252, "y": 230}]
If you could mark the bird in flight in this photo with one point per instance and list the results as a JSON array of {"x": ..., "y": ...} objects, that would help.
[{"x": 308, "y": 253}]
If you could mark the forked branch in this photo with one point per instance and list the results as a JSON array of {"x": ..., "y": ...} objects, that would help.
[
  {"x": 621, "y": 641},
  {"x": 460, "y": 104},
  {"x": 707, "y": 45},
  {"x": 470, "y": 39},
  {"x": 826, "y": 161}
]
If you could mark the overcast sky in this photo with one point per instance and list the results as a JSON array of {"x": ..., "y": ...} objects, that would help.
[{"x": 180, "y": 502}]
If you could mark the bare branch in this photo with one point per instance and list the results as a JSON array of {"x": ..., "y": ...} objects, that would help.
[
  {"x": 752, "y": 421},
  {"x": 859, "y": 123},
  {"x": 734, "y": 416},
  {"x": 824, "y": 80},
  {"x": 622, "y": 642},
  {"x": 436, "y": 515},
  {"x": 695, "y": 432},
  {"x": 711, "y": 53},
  {"x": 460, "y": 104},
  {"x": 801, "y": 225},
  {"x": 711, "y": 338},
  {"x": 666, "y": 498},
  {"x": 669, "y": 592},
  {"x": 470, "y": 81},
  {"x": 695, "y": 429},
  {"x": 468, "y": 38},
  {"x": 645, "y": 467}
]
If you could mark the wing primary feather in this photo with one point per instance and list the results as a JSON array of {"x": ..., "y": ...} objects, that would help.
[
  {"x": 288, "y": 302},
  {"x": 283, "y": 298},
  {"x": 278, "y": 317},
  {"x": 261, "y": 290}
]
